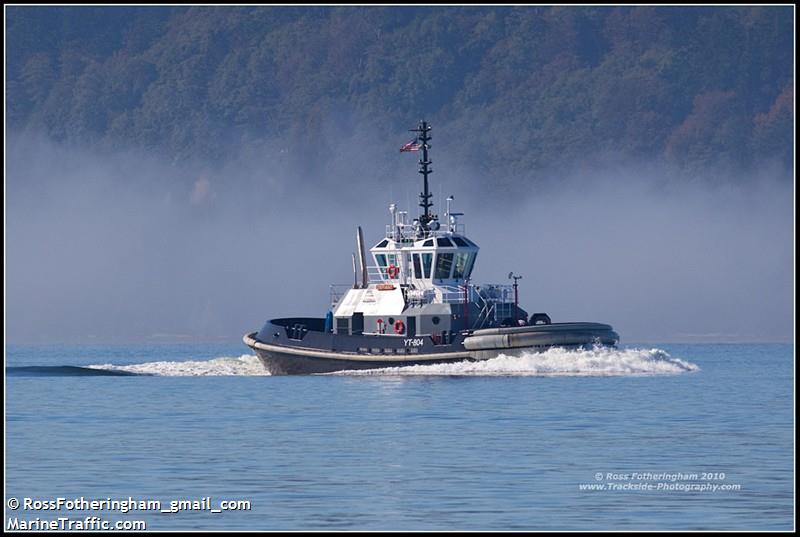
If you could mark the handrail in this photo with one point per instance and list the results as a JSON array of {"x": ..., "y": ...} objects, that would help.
[
  {"x": 410, "y": 232},
  {"x": 337, "y": 291},
  {"x": 485, "y": 296},
  {"x": 493, "y": 292}
]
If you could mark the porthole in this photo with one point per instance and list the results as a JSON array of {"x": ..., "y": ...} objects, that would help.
[{"x": 436, "y": 320}]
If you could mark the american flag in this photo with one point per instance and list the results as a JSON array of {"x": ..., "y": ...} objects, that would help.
[{"x": 413, "y": 145}]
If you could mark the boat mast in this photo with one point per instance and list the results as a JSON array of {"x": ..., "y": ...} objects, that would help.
[{"x": 424, "y": 168}]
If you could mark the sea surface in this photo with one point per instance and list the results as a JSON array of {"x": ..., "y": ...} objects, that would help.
[{"x": 634, "y": 438}]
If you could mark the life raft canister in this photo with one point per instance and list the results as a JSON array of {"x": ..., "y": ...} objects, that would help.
[
  {"x": 393, "y": 271},
  {"x": 399, "y": 327}
]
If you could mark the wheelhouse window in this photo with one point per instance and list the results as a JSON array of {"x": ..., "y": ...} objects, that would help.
[
  {"x": 427, "y": 260},
  {"x": 417, "y": 267},
  {"x": 470, "y": 264},
  {"x": 462, "y": 260},
  {"x": 444, "y": 262},
  {"x": 382, "y": 244},
  {"x": 460, "y": 242},
  {"x": 385, "y": 260},
  {"x": 428, "y": 242},
  {"x": 441, "y": 241}
]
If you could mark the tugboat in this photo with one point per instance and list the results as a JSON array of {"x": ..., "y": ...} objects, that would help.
[{"x": 416, "y": 304}]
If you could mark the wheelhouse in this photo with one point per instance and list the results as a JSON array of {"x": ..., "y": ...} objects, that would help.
[{"x": 435, "y": 260}]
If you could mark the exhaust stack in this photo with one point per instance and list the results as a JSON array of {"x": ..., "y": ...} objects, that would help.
[
  {"x": 362, "y": 258},
  {"x": 355, "y": 274}
]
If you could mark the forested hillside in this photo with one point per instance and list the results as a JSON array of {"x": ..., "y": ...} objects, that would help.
[{"x": 696, "y": 87}]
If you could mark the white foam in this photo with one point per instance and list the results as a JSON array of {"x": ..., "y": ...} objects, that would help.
[
  {"x": 246, "y": 364},
  {"x": 555, "y": 362}
]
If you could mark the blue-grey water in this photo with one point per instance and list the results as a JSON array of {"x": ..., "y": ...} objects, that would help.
[{"x": 512, "y": 444}]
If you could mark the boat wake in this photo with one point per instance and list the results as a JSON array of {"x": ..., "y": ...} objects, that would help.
[
  {"x": 244, "y": 365},
  {"x": 555, "y": 362},
  {"x": 63, "y": 371}
]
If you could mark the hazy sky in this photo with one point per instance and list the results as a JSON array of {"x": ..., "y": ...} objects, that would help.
[{"x": 124, "y": 247}]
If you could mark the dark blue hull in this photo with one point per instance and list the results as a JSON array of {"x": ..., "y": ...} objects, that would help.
[
  {"x": 281, "y": 363},
  {"x": 301, "y": 346}
]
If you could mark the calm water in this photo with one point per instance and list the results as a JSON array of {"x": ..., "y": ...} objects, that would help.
[{"x": 501, "y": 445}]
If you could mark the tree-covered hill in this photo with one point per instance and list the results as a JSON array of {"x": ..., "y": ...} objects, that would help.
[{"x": 695, "y": 86}]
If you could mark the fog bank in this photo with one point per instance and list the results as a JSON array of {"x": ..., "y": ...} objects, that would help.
[{"x": 112, "y": 247}]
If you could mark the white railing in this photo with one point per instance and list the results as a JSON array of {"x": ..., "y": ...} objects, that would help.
[
  {"x": 482, "y": 295},
  {"x": 490, "y": 299},
  {"x": 460, "y": 229},
  {"x": 408, "y": 232},
  {"x": 492, "y": 292},
  {"x": 376, "y": 274},
  {"x": 338, "y": 290}
]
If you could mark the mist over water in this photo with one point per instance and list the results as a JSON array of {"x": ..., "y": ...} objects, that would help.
[{"x": 122, "y": 246}]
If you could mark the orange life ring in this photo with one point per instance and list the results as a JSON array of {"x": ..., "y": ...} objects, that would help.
[
  {"x": 399, "y": 327},
  {"x": 393, "y": 271}
]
